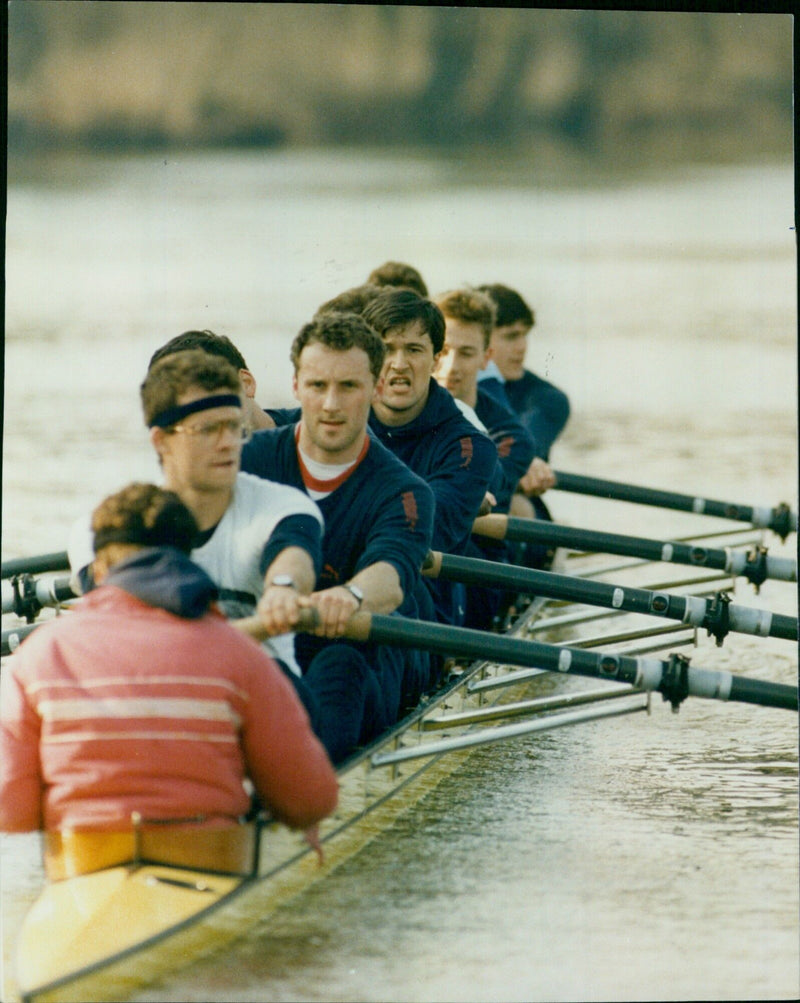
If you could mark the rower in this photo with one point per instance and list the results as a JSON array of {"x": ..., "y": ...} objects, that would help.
[
  {"x": 398, "y": 275},
  {"x": 469, "y": 317},
  {"x": 143, "y": 701},
  {"x": 259, "y": 541},
  {"x": 543, "y": 408},
  {"x": 423, "y": 426},
  {"x": 220, "y": 345},
  {"x": 420, "y": 423},
  {"x": 469, "y": 321},
  {"x": 378, "y": 514}
]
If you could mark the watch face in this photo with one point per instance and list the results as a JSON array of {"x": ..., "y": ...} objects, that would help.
[
  {"x": 286, "y": 580},
  {"x": 356, "y": 591}
]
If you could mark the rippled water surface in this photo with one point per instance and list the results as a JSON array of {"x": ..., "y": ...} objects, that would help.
[{"x": 649, "y": 857}]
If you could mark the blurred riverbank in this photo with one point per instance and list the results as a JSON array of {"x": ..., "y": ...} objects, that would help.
[{"x": 557, "y": 86}]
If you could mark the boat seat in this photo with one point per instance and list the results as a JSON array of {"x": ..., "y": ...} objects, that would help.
[{"x": 229, "y": 850}]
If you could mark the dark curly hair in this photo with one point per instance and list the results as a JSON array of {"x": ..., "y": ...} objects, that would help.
[
  {"x": 146, "y": 516},
  {"x": 341, "y": 331},
  {"x": 400, "y": 307}
]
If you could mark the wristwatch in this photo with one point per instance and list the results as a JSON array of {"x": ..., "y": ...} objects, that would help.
[
  {"x": 285, "y": 580},
  {"x": 354, "y": 591}
]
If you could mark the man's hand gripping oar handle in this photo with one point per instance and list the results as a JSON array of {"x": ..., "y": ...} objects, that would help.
[{"x": 358, "y": 626}]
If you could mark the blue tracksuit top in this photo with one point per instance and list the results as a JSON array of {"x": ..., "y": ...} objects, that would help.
[
  {"x": 542, "y": 408},
  {"x": 515, "y": 446},
  {"x": 381, "y": 512},
  {"x": 457, "y": 462}
]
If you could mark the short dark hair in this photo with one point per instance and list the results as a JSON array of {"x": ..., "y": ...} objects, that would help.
[
  {"x": 144, "y": 515},
  {"x": 398, "y": 274},
  {"x": 340, "y": 332},
  {"x": 214, "y": 344},
  {"x": 400, "y": 307},
  {"x": 351, "y": 300},
  {"x": 174, "y": 374},
  {"x": 470, "y": 306},
  {"x": 511, "y": 307}
]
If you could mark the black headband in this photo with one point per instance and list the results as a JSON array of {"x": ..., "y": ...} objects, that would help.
[{"x": 174, "y": 414}]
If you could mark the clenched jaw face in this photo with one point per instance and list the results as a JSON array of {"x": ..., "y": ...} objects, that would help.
[{"x": 405, "y": 379}]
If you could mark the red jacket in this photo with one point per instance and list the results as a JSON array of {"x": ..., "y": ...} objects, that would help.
[{"x": 118, "y": 707}]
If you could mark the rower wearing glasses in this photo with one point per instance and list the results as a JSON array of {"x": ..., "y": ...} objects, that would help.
[
  {"x": 258, "y": 541},
  {"x": 222, "y": 346},
  {"x": 253, "y": 537}
]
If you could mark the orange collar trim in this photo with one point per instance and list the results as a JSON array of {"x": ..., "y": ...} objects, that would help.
[{"x": 313, "y": 483}]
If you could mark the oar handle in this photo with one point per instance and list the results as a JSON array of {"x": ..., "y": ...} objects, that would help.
[
  {"x": 779, "y": 519},
  {"x": 357, "y": 629}
]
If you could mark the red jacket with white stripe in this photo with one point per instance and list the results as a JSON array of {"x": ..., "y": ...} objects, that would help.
[{"x": 119, "y": 707}]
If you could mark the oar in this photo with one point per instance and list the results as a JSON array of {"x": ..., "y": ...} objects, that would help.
[
  {"x": 755, "y": 565},
  {"x": 717, "y": 615},
  {"x": 674, "y": 679},
  {"x": 779, "y": 519},
  {"x": 36, "y": 565},
  {"x": 13, "y": 638}
]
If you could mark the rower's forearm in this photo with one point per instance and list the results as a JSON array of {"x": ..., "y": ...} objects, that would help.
[
  {"x": 380, "y": 584},
  {"x": 297, "y": 564},
  {"x": 493, "y": 526}
]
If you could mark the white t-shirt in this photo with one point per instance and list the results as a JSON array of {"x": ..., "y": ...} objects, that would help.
[
  {"x": 469, "y": 414},
  {"x": 232, "y": 556}
]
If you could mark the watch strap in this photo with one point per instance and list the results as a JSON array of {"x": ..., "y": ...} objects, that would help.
[{"x": 354, "y": 591}]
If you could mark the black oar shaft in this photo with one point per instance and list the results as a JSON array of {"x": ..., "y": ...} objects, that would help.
[
  {"x": 778, "y": 519},
  {"x": 755, "y": 567},
  {"x": 688, "y": 609},
  {"x": 36, "y": 565},
  {"x": 641, "y": 672}
]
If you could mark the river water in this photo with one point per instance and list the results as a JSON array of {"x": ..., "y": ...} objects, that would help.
[{"x": 644, "y": 858}]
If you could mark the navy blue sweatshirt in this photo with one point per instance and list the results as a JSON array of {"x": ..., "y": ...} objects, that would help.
[
  {"x": 457, "y": 462},
  {"x": 381, "y": 512},
  {"x": 515, "y": 446},
  {"x": 542, "y": 408}
]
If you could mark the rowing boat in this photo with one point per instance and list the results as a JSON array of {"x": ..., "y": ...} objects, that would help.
[{"x": 88, "y": 935}]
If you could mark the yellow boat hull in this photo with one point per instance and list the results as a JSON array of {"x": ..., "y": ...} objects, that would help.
[{"x": 74, "y": 926}]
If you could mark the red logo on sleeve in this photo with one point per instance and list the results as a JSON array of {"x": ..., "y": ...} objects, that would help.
[
  {"x": 466, "y": 451},
  {"x": 410, "y": 509},
  {"x": 330, "y": 573}
]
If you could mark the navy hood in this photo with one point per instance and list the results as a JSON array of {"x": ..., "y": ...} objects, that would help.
[{"x": 165, "y": 577}]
